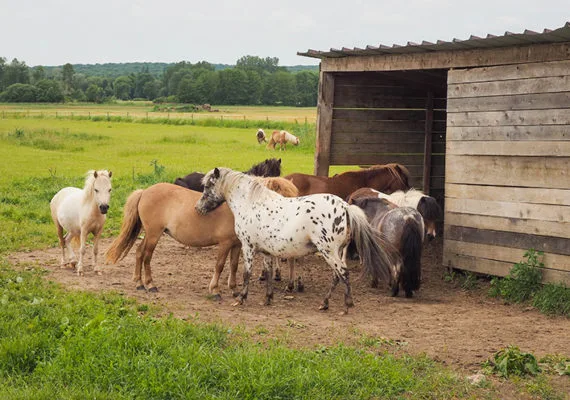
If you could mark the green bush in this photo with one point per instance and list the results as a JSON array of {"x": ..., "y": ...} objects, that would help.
[
  {"x": 511, "y": 361},
  {"x": 523, "y": 280},
  {"x": 553, "y": 299}
]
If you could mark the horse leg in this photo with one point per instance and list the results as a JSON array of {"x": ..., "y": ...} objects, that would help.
[
  {"x": 96, "y": 238},
  {"x": 151, "y": 242},
  {"x": 138, "y": 265},
  {"x": 277, "y": 270},
  {"x": 268, "y": 267},
  {"x": 300, "y": 284},
  {"x": 82, "y": 250},
  {"x": 340, "y": 273},
  {"x": 61, "y": 239},
  {"x": 248, "y": 254},
  {"x": 291, "y": 284},
  {"x": 67, "y": 239},
  {"x": 234, "y": 259},
  {"x": 223, "y": 252}
]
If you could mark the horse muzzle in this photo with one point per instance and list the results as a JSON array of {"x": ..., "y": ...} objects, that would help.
[{"x": 104, "y": 208}]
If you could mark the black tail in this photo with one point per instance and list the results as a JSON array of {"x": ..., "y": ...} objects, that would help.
[{"x": 411, "y": 251}]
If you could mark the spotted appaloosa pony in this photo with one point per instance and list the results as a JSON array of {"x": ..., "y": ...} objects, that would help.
[
  {"x": 386, "y": 178},
  {"x": 81, "y": 212},
  {"x": 274, "y": 225},
  {"x": 426, "y": 205},
  {"x": 271, "y": 167},
  {"x": 261, "y": 136},
  {"x": 281, "y": 138},
  {"x": 404, "y": 228}
]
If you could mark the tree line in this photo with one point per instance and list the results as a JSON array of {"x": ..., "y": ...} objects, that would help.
[{"x": 252, "y": 81}]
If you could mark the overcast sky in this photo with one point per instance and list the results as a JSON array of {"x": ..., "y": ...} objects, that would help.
[{"x": 55, "y": 32}]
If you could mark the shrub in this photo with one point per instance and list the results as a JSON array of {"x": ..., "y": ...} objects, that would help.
[
  {"x": 523, "y": 280},
  {"x": 511, "y": 361},
  {"x": 553, "y": 299}
]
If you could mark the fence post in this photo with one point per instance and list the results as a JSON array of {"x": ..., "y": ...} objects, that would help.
[{"x": 108, "y": 119}]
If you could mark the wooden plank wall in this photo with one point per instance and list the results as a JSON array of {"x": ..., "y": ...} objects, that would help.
[
  {"x": 380, "y": 118},
  {"x": 507, "y": 187}
]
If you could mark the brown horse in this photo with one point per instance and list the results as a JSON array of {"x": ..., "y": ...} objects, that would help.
[
  {"x": 385, "y": 178},
  {"x": 168, "y": 208},
  {"x": 281, "y": 138}
]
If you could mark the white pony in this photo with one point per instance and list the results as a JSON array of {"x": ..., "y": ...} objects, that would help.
[
  {"x": 426, "y": 205},
  {"x": 80, "y": 212},
  {"x": 287, "y": 227},
  {"x": 281, "y": 138}
]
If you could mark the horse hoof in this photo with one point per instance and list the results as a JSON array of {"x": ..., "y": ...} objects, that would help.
[
  {"x": 349, "y": 303},
  {"x": 262, "y": 276},
  {"x": 277, "y": 276},
  {"x": 409, "y": 295},
  {"x": 153, "y": 289},
  {"x": 324, "y": 307},
  {"x": 216, "y": 297},
  {"x": 141, "y": 287},
  {"x": 300, "y": 286},
  {"x": 289, "y": 288}
]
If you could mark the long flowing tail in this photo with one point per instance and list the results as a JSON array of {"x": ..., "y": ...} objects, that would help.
[
  {"x": 130, "y": 229},
  {"x": 379, "y": 257},
  {"x": 412, "y": 254}
]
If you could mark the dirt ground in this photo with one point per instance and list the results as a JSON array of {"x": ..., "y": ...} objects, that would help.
[{"x": 458, "y": 327}]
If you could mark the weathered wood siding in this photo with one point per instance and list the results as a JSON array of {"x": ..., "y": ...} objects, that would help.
[
  {"x": 381, "y": 118},
  {"x": 507, "y": 184}
]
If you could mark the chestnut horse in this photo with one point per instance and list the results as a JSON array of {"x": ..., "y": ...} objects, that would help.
[
  {"x": 385, "y": 178},
  {"x": 168, "y": 208},
  {"x": 281, "y": 138}
]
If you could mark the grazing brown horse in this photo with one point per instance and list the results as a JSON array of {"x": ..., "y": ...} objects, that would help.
[
  {"x": 281, "y": 138},
  {"x": 385, "y": 178}
]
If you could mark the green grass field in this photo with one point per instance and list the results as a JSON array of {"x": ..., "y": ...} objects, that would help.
[{"x": 72, "y": 345}]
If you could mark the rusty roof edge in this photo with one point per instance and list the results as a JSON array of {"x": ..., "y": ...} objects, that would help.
[{"x": 490, "y": 41}]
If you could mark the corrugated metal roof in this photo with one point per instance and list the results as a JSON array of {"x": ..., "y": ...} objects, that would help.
[{"x": 474, "y": 42}]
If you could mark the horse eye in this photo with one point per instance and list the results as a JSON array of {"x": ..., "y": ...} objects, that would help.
[
  {"x": 110, "y": 190},
  {"x": 96, "y": 190}
]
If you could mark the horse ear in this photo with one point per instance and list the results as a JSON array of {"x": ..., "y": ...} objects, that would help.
[
  {"x": 95, "y": 174},
  {"x": 216, "y": 173},
  {"x": 279, "y": 161},
  {"x": 110, "y": 174}
]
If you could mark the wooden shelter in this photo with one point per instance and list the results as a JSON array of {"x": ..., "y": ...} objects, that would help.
[{"x": 483, "y": 125}]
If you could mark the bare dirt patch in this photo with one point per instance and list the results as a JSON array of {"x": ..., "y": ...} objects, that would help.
[{"x": 458, "y": 327}]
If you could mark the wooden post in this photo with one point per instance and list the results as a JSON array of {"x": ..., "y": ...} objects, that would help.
[
  {"x": 324, "y": 123},
  {"x": 427, "y": 142}
]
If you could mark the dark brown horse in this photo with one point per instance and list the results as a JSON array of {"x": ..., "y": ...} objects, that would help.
[
  {"x": 268, "y": 168},
  {"x": 385, "y": 178}
]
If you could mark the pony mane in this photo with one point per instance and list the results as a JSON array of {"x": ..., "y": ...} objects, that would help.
[
  {"x": 90, "y": 181},
  {"x": 429, "y": 208},
  {"x": 230, "y": 179},
  {"x": 269, "y": 167},
  {"x": 398, "y": 171}
]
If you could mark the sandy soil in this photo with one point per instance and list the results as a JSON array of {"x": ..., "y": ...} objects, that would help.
[{"x": 458, "y": 327}]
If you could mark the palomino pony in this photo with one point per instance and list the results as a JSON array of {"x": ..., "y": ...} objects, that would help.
[
  {"x": 386, "y": 178},
  {"x": 404, "y": 228},
  {"x": 269, "y": 168},
  {"x": 261, "y": 136},
  {"x": 281, "y": 138},
  {"x": 168, "y": 208},
  {"x": 81, "y": 212},
  {"x": 426, "y": 205},
  {"x": 287, "y": 227}
]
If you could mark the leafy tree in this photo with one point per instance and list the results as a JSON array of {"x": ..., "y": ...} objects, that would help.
[
  {"x": 67, "y": 77},
  {"x": 232, "y": 87},
  {"x": 123, "y": 87},
  {"x": 94, "y": 93},
  {"x": 254, "y": 87},
  {"x": 260, "y": 65},
  {"x": 20, "y": 93},
  {"x": 205, "y": 86},
  {"x": 15, "y": 72},
  {"x": 280, "y": 89},
  {"x": 38, "y": 74},
  {"x": 49, "y": 91},
  {"x": 307, "y": 84}
]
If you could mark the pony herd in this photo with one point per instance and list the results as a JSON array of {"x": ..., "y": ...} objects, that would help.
[
  {"x": 278, "y": 138},
  {"x": 370, "y": 214}
]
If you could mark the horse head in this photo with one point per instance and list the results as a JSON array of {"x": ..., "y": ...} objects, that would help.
[
  {"x": 212, "y": 196},
  {"x": 431, "y": 212},
  {"x": 101, "y": 186},
  {"x": 261, "y": 136}
]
